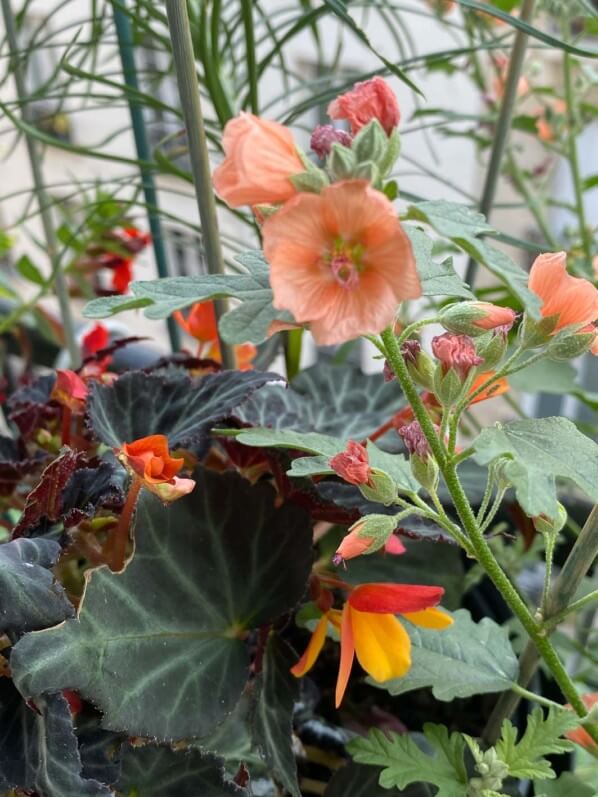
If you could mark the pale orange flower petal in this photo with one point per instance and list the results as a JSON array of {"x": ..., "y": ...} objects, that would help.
[{"x": 573, "y": 299}]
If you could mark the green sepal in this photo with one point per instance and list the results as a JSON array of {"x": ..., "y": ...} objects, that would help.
[
  {"x": 382, "y": 488},
  {"x": 341, "y": 162},
  {"x": 447, "y": 387},
  {"x": 491, "y": 347},
  {"x": 536, "y": 332},
  {"x": 371, "y": 143},
  {"x": 393, "y": 150},
  {"x": 311, "y": 182}
]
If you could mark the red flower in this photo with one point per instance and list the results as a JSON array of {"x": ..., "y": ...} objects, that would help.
[
  {"x": 70, "y": 391},
  {"x": 122, "y": 275},
  {"x": 352, "y": 465},
  {"x": 96, "y": 339},
  {"x": 457, "y": 352},
  {"x": 370, "y": 99}
]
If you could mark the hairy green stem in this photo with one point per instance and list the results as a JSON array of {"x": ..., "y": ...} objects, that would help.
[
  {"x": 476, "y": 538},
  {"x": 576, "y": 566},
  {"x": 182, "y": 47},
  {"x": 556, "y": 619},
  {"x": 503, "y": 126},
  {"x": 35, "y": 162},
  {"x": 572, "y": 113}
]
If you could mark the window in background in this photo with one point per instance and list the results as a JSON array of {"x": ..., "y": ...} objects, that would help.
[{"x": 185, "y": 252}]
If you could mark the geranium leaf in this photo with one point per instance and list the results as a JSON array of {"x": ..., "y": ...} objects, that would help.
[
  {"x": 359, "y": 780},
  {"x": 30, "y": 596},
  {"x": 566, "y": 785},
  {"x": 277, "y": 691},
  {"x": 160, "y": 771},
  {"x": 539, "y": 451},
  {"x": 160, "y": 298},
  {"x": 465, "y": 659},
  {"x": 38, "y": 747},
  {"x": 405, "y": 763},
  {"x": 542, "y": 737},
  {"x": 450, "y": 219},
  {"x": 336, "y": 400},
  {"x": 170, "y": 403},
  {"x": 168, "y": 629},
  {"x": 437, "y": 279}
]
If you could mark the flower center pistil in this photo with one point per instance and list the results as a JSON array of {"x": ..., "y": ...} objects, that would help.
[{"x": 345, "y": 263}]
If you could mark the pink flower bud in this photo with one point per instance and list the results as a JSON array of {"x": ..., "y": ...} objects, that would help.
[
  {"x": 352, "y": 465},
  {"x": 415, "y": 440},
  {"x": 324, "y": 136},
  {"x": 457, "y": 352},
  {"x": 495, "y": 317},
  {"x": 394, "y": 546},
  {"x": 370, "y": 99},
  {"x": 410, "y": 349},
  {"x": 352, "y": 544}
]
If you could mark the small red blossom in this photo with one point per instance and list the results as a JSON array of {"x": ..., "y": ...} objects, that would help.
[
  {"x": 457, "y": 352},
  {"x": 97, "y": 338},
  {"x": 370, "y": 99},
  {"x": 352, "y": 464},
  {"x": 70, "y": 391},
  {"x": 149, "y": 460},
  {"x": 122, "y": 275}
]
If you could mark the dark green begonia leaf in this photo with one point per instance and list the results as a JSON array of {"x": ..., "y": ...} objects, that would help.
[
  {"x": 277, "y": 690},
  {"x": 537, "y": 452},
  {"x": 170, "y": 403},
  {"x": 30, "y": 596},
  {"x": 38, "y": 747},
  {"x": 464, "y": 659},
  {"x": 160, "y": 771},
  {"x": 159, "y": 647}
]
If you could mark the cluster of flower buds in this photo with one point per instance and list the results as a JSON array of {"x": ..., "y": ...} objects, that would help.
[{"x": 354, "y": 467}]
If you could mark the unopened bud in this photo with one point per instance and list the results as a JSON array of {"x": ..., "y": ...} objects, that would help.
[
  {"x": 419, "y": 364},
  {"x": 551, "y": 526},
  {"x": 447, "y": 386},
  {"x": 368, "y": 535},
  {"x": 570, "y": 346},
  {"x": 324, "y": 136},
  {"x": 475, "y": 318},
  {"x": 456, "y": 352},
  {"x": 380, "y": 487},
  {"x": 425, "y": 471},
  {"x": 491, "y": 347},
  {"x": 341, "y": 162},
  {"x": 352, "y": 464}
]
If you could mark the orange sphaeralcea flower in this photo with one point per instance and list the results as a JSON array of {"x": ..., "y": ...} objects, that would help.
[
  {"x": 367, "y": 100},
  {"x": 148, "y": 460},
  {"x": 340, "y": 261},
  {"x": 261, "y": 157},
  {"x": 201, "y": 324},
  {"x": 369, "y": 630},
  {"x": 573, "y": 300}
]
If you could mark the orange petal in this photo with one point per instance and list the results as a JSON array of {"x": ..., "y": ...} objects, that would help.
[
  {"x": 394, "y": 598},
  {"x": 382, "y": 645},
  {"x": 430, "y": 618},
  {"x": 573, "y": 299},
  {"x": 347, "y": 654},
  {"x": 315, "y": 645},
  {"x": 496, "y": 388}
]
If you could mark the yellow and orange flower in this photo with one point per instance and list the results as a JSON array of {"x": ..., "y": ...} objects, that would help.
[
  {"x": 369, "y": 630},
  {"x": 148, "y": 460},
  {"x": 573, "y": 300},
  {"x": 340, "y": 261},
  {"x": 261, "y": 157},
  {"x": 201, "y": 324}
]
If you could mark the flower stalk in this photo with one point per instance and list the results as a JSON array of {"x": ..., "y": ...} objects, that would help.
[
  {"x": 182, "y": 47},
  {"x": 117, "y": 545},
  {"x": 476, "y": 537}
]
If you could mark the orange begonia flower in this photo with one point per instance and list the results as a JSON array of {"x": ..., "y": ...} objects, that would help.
[
  {"x": 70, "y": 391},
  {"x": 261, "y": 156},
  {"x": 573, "y": 300},
  {"x": 369, "y": 630},
  {"x": 148, "y": 459},
  {"x": 201, "y": 324},
  {"x": 580, "y": 736},
  {"x": 340, "y": 261}
]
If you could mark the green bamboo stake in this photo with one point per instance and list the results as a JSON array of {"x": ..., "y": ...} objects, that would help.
[
  {"x": 35, "y": 162},
  {"x": 503, "y": 125},
  {"x": 182, "y": 49},
  {"x": 124, "y": 35}
]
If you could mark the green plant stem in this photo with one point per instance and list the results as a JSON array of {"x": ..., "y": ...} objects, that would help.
[
  {"x": 579, "y": 561},
  {"x": 250, "y": 60},
  {"x": 572, "y": 113},
  {"x": 556, "y": 619},
  {"x": 543, "y": 701},
  {"x": 124, "y": 35},
  {"x": 476, "y": 538},
  {"x": 548, "y": 558},
  {"x": 498, "y": 498},
  {"x": 35, "y": 162},
  {"x": 503, "y": 126},
  {"x": 182, "y": 48}
]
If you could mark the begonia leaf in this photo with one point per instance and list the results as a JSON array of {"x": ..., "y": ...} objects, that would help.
[
  {"x": 30, "y": 596},
  {"x": 89, "y": 489},
  {"x": 336, "y": 400},
  {"x": 277, "y": 690},
  {"x": 464, "y": 659},
  {"x": 537, "y": 452},
  {"x": 160, "y": 771},
  {"x": 30, "y": 406},
  {"x": 170, "y": 403},
  {"x": 159, "y": 648},
  {"x": 38, "y": 747}
]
